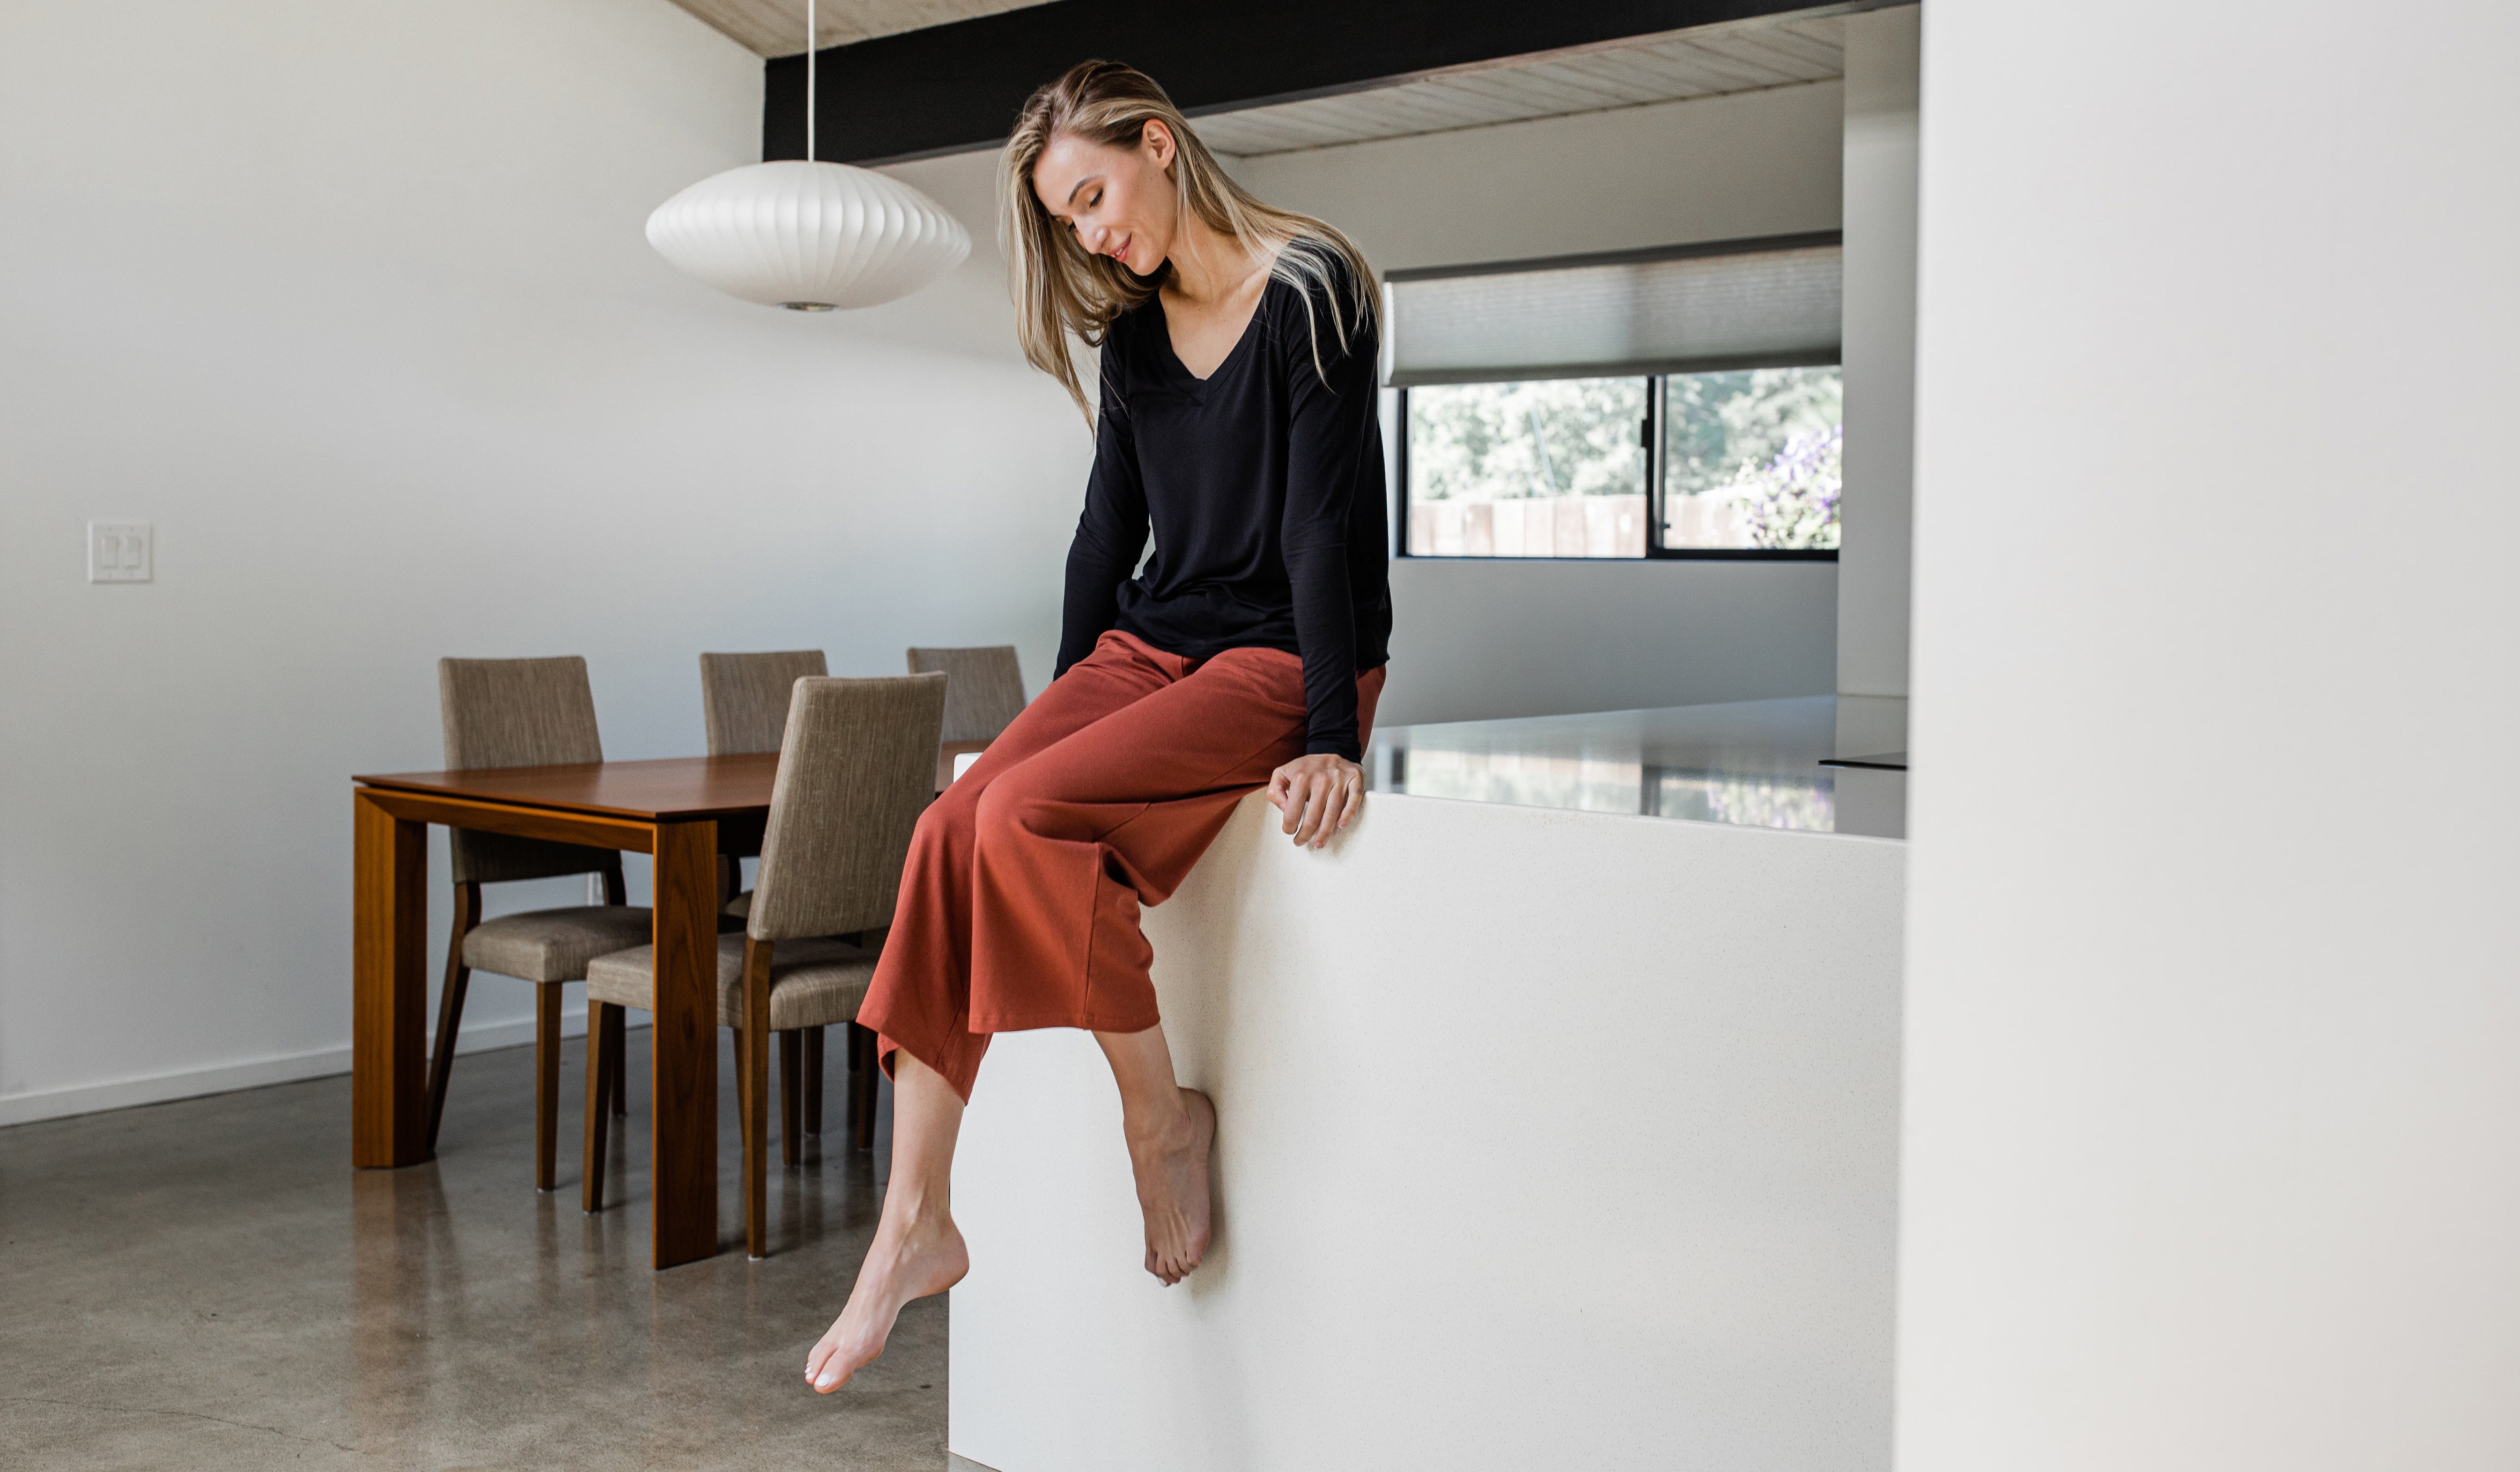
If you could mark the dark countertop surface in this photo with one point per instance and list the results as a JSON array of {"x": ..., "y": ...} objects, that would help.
[{"x": 1755, "y": 763}]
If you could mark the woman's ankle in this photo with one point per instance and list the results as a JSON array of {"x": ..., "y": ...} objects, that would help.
[
  {"x": 1157, "y": 1130},
  {"x": 914, "y": 1211}
]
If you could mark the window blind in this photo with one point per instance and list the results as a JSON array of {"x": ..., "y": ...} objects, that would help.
[{"x": 1764, "y": 303}]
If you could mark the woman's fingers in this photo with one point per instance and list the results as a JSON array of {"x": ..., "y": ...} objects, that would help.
[
  {"x": 1316, "y": 797},
  {"x": 1316, "y": 801}
]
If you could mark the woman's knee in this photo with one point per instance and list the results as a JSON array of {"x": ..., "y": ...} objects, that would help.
[
  {"x": 1020, "y": 803},
  {"x": 951, "y": 817}
]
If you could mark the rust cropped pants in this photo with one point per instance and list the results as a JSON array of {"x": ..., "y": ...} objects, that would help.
[{"x": 1019, "y": 901}]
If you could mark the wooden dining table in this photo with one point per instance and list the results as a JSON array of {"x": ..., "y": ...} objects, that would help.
[{"x": 684, "y": 812}]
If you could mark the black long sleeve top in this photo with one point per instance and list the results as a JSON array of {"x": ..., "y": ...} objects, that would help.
[{"x": 1264, "y": 486}]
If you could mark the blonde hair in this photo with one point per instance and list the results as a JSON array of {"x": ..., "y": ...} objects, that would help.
[{"x": 1061, "y": 288}]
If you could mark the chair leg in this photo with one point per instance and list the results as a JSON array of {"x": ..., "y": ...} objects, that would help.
[
  {"x": 742, "y": 1088},
  {"x": 812, "y": 1081},
  {"x": 617, "y": 891},
  {"x": 863, "y": 1073},
  {"x": 450, "y": 1005},
  {"x": 615, "y": 1022},
  {"x": 602, "y": 1070},
  {"x": 791, "y": 1065},
  {"x": 756, "y": 1111},
  {"x": 546, "y": 1086}
]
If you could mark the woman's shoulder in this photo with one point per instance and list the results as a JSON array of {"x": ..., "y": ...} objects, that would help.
[
  {"x": 1123, "y": 339},
  {"x": 1318, "y": 270},
  {"x": 1124, "y": 326},
  {"x": 1317, "y": 303}
]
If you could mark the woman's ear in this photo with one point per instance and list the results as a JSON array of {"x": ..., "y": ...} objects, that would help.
[{"x": 1158, "y": 141}]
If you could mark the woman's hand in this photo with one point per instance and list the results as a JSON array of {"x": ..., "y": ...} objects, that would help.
[{"x": 1318, "y": 793}]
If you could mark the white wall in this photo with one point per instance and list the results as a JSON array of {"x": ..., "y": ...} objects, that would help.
[
  {"x": 1490, "y": 639},
  {"x": 1544, "y": 637},
  {"x": 1880, "y": 361},
  {"x": 353, "y": 303},
  {"x": 2212, "y": 1134}
]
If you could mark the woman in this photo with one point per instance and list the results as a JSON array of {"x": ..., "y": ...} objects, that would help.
[{"x": 1238, "y": 420}]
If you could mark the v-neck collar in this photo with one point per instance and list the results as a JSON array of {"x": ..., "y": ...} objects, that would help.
[{"x": 1250, "y": 330}]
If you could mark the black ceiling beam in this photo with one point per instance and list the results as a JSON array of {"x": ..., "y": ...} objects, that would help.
[{"x": 953, "y": 87}]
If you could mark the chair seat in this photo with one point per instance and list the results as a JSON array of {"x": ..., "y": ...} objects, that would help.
[
  {"x": 554, "y": 945},
  {"x": 812, "y": 983},
  {"x": 741, "y": 907}
]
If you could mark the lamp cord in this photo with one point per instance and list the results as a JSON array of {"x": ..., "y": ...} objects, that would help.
[{"x": 809, "y": 80}]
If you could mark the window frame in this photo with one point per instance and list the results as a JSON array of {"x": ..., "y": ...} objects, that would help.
[{"x": 1655, "y": 550}]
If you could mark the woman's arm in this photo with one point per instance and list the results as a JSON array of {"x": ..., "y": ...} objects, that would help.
[
  {"x": 1331, "y": 440},
  {"x": 1330, "y": 437},
  {"x": 1113, "y": 531}
]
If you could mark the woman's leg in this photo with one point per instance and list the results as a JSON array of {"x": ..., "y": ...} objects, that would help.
[
  {"x": 1069, "y": 847},
  {"x": 920, "y": 1003},
  {"x": 1115, "y": 800},
  {"x": 1170, "y": 1132},
  {"x": 919, "y": 1007},
  {"x": 917, "y": 1249}
]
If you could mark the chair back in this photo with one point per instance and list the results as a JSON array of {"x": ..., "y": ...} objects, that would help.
[
  {"x": 856, "y": 770},
  {"x": 746, "y": 697},
  {"x": 518, "y": 713},
  {"x": 983, "y": 689}
]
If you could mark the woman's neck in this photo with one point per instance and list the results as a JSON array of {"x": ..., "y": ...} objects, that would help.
[{"x": 1208, "y": 265}]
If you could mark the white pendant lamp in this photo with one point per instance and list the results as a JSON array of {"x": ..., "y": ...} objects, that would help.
[{"x": 807, "y": 236}]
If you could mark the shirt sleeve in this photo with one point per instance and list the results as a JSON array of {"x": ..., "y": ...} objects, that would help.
[
  {"x": 1332, "y": 429},
  {"x": 1113, "y": 531}
]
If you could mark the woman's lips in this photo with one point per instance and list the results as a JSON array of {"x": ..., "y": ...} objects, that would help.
[{"x": 1120, "y": 251}]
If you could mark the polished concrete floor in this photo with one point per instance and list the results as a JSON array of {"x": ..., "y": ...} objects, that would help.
[{"x": 208, "y": 1284}]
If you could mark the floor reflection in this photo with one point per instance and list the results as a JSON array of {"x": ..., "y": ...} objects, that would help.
[{"x": 208, "y": 1284}]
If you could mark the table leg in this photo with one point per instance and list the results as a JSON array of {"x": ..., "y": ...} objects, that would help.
[
  {"x": 388, "y": 990},
  {"x": 683, "y": 1051}
]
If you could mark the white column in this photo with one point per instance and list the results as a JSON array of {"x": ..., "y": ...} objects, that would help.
[{"x": 2212, "y": 1112}]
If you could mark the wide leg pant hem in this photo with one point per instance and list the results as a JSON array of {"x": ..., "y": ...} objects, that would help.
[
  {"x": 1093, "y": 1022},
  {"x": 958, "y": 1062}
]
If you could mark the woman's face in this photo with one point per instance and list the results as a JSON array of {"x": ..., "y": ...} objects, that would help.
[{"x": 1119, "y": 201}]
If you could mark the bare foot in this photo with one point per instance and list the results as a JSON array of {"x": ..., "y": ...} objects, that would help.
[
  {"x": 1173, "y": 1188},
  {"x": 915, "y": 1259}
]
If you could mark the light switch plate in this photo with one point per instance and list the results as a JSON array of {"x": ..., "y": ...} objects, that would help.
[{"x": 119, "y": 552}]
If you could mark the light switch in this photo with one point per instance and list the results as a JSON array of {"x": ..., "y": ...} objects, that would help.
[{"x": 119, "y": 552}]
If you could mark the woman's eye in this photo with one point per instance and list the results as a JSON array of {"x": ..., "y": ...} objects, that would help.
[{"x": 1095, "y": 203}]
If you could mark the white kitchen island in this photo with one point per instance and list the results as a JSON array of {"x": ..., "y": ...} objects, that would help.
[{"x": 1549, "y": 1137}]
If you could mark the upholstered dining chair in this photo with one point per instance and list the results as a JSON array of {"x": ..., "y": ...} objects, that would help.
[
  {"x": 855, "y": 771},
  {"x": 524, "y": 713},
  {"x": 983, "y": 689},
  {"x": 745, "y": 698}
]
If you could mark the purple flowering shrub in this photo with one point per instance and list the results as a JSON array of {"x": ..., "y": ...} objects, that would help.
[{"x": 1792, "y": 501}]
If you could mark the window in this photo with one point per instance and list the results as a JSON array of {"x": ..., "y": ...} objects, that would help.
[
  {"x": 1750, "y": 459},
  {"x": 1555, "y": 469},
  {"x": 1678, "y": 403},
  {"x": 1743, "y": 462}
]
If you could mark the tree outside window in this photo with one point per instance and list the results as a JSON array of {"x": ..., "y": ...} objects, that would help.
[{"x": 1559, "y": 467}]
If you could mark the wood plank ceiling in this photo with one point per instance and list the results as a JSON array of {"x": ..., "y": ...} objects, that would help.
[
  {"x": 777, "y": 28},
  {"x": 1743, "y": 56}
]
